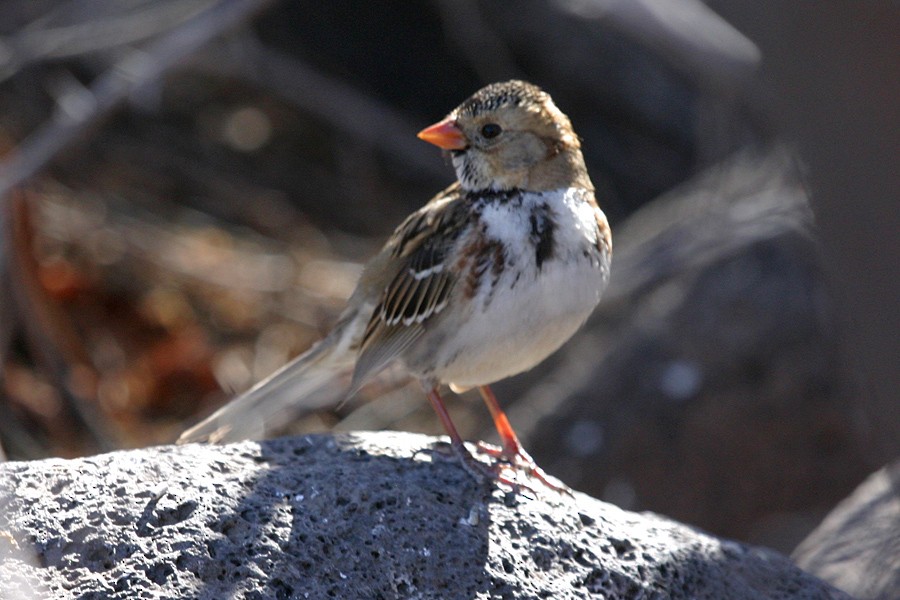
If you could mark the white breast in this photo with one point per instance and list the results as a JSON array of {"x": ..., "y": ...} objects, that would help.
[{"x": 515, "y": 323}]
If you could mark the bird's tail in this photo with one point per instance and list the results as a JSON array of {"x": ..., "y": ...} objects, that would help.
[{"x": 316, "y": 379}]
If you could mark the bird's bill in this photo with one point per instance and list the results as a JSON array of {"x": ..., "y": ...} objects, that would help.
[{"x": 445, "y": 134}]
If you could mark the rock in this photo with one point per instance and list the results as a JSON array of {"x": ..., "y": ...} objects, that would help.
[
  {"x": 351, "y": 516},
  {"x": 857, "y": 546}
]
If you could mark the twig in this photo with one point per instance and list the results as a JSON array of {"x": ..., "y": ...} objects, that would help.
[
  {"x": 52, "y": 339},
  {"x": 94, "y": 32},
  {"x": 138, "y": 69}
]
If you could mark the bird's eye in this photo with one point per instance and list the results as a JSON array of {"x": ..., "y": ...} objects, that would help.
[{"x": 490, "y": 130}]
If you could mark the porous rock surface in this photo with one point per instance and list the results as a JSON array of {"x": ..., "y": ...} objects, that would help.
[{"x": 374, "y": 515}]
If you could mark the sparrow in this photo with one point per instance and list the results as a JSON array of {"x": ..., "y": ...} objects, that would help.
[{"x": 485, "y": 281}]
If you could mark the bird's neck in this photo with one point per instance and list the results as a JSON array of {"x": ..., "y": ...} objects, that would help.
[{"x": 562, "y": 170}]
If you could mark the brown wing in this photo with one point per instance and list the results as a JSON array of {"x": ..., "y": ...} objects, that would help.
[{"x": 421, "y": 284}]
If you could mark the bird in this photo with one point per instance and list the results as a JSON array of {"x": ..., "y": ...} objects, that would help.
[{"x": 483, "y": 282}]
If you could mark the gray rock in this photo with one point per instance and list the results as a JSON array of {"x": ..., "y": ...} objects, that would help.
[
  {"x": 350, "y": 516},
  {"x": 857, "y": 546}
]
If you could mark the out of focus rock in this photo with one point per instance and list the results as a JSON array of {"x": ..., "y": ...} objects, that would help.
[{"x": 857, "y": 546}]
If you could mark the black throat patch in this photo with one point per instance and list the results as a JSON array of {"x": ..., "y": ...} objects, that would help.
[
  {"x": 542, "y": 227},
  {"x": 489, "y": 196}
]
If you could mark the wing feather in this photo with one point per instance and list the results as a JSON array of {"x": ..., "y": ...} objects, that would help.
[{"x": 421, "y": 284}]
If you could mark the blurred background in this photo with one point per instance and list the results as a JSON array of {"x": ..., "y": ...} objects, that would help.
[{"x": 190, "y": 188}]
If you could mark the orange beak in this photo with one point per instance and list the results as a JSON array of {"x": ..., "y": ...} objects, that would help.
[{"x": 446, "y": 135}]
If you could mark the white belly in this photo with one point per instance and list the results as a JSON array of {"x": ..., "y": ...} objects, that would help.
[{"x": 521, "y": 326}]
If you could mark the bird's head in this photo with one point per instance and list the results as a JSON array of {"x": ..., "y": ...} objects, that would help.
[{"x": 511, "y": 135}]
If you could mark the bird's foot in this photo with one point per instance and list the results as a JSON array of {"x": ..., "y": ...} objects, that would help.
[
  {"x": 518, "y": 460},
  {"x": 478, "y": 469}
]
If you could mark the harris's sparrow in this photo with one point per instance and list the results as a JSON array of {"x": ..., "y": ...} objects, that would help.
[{"x": 485, "y": 281}]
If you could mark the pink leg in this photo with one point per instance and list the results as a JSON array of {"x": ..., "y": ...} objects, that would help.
[
  {"x": 437, "y": 403},
  {"x": 512, "y": 448},
  {"x": 476, "y": 468}
]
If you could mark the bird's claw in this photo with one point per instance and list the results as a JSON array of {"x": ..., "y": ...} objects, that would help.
[
  {"x": 506, "y": 467},
  {"x": 520, "y": 461},
  {"x": 479, "y": 470}
]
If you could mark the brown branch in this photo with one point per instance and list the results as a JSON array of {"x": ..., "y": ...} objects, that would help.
[{"x": 51, "y": 338}]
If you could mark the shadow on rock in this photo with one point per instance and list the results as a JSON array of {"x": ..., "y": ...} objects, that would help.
[{"x": 332, "y": 518}]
